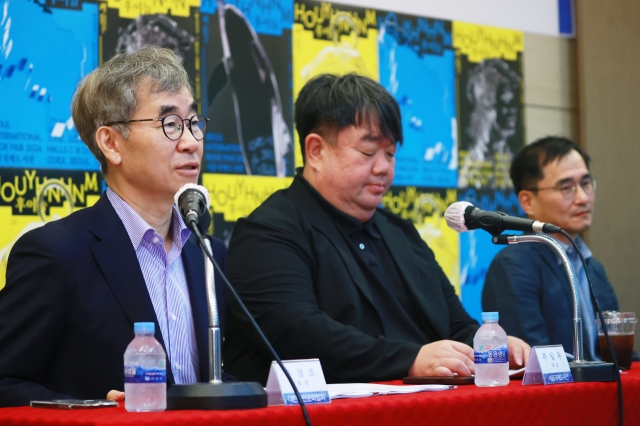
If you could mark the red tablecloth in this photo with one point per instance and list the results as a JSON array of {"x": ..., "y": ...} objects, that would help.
[{"x": 562, "y": 404}]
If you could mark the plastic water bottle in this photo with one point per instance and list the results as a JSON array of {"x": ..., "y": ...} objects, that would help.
[
  {"x": 145, "y": 371},
  {"x": 491, "y": 353}
]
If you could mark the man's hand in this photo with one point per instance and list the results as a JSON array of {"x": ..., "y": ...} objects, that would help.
[
  {"x": 443, "y": 358},
  {"x": 114, "y": 395},
  {"x": 519, "y": 352}
]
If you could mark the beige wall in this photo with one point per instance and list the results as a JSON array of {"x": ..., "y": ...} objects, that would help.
[
  {"x": 551, "y": 100},
  {"x": 608, "y": 47}
]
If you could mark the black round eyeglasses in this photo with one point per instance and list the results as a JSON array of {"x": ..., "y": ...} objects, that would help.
[{"x": 173, "y": 125}]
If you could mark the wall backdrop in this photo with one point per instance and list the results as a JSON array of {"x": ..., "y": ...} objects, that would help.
[{"x": 459, "y": 86}]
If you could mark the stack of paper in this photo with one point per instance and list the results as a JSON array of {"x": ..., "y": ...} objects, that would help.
[{"x": 360, "y": 390}]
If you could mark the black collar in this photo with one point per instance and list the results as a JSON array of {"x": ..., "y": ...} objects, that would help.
[{"x": 348, "y": 223}]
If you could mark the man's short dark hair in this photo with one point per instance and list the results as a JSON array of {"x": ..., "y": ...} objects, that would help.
[
  {"x": 526, "y": 168},
  {"x": 329, "y": 103}
]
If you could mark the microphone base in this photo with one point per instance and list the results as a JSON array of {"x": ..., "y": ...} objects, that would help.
[
  {"x": 218, "y": 396},
  {"x": 593, "y": 371}
]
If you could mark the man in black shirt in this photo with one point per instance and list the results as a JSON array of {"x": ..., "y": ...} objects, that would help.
[{"x": 328, "y": 274}]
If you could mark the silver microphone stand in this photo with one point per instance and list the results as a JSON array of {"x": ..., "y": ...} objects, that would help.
[
  {"x": 581, "y": 370},
  {"x": 215, "y": 339},
  {"x": 215, "y": 394}
]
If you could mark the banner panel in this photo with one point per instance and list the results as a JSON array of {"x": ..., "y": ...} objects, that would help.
[
  {"x": 417, "y": 66},
  {"x": 38, "y": 75},
  {"x": 490, "y": 103},
  {"x": 29, "y": 198},
  {"x": 246, "y": 56}
]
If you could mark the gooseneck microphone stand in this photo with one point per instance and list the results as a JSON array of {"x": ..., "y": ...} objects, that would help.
[
  {"x": 581, "y": 370},
  {"x": 260, "y": 333},
  {"x": 215, "y": 394},
  {"x": 193, "y": 204},
  {"x": 215, "y": 339}
]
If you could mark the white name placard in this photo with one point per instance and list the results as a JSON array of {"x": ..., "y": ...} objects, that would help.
[
  {"x": 548, "y": 365},
  {"x": 309, "y": 379}
]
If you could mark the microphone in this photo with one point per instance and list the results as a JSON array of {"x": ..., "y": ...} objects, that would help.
[
  {"x": 193, "y": 202},
  {"x": 464, "y": 216}
]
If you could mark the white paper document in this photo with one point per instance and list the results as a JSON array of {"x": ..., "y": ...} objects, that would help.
[
  {"x": 361, "y": 390},
  {"x": 514, "y": 374}
]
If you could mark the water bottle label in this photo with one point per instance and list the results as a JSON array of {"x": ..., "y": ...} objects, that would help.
[
  {"x": 133, "y": 374},
  {"x": 489, "y": 355}
]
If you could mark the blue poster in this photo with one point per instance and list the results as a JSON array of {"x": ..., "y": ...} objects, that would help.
[
  {"x": 476, "y": 249},
  {"x": 38, "y": 76},
  {"x": 417, "y": 66}
]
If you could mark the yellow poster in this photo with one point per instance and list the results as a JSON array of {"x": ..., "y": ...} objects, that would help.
[
  {"x": 480, "y": 42},
  {"x": 29, "y": 198},
  {"x": 329, "y": 38},
  {"x": 236, "y": 196}
]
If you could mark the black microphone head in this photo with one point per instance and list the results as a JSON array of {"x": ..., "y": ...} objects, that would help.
[
  {"x": 474, "y": 218},
  {"x": 469, "y": 214},
  {"x": 193, "y": 202}
]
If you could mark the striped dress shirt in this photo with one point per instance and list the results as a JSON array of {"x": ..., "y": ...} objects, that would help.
[{"x": 167, "y": 285}]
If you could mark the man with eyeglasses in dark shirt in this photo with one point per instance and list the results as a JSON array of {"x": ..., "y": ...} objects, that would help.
[
  {"x": 526, "y": 282},
  {"x": 327, "y": 274}
]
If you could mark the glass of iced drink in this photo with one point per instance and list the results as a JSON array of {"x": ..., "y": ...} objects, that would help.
[{"x": 620, "y": 327}]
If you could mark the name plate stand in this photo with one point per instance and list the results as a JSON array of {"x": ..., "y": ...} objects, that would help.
[
  {"x": 308, "y": 377},
  {"x": 548, "y": 365}
]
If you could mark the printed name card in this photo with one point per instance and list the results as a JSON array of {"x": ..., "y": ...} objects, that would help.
[
  {"x": 309, "y": 379},
  {"x": 548, "y": 365}
]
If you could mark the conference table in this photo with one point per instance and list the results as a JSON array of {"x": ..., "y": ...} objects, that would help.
[{"x": 515, "y": 404}]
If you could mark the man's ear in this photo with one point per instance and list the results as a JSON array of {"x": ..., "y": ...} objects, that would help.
[
  {"x": 527, "y": 201},
  {"x": 313, "y": 146},
  {"x": 109, "y": 141}
]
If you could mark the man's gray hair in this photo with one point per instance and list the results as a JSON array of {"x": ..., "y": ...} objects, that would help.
[{"x": 109, "y": 93}]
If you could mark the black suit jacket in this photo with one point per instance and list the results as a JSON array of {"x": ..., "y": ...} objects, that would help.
[
  {"x": 74, "y": 289},
  {"x": 531, "y": 291},
  {"x": 300, "y": 280}
]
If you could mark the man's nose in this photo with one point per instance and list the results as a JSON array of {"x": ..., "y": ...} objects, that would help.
[
  {"x": 187, "y": 142},
  {"x": 581, "y": 195},
  {"x": 383, "y": 164}
]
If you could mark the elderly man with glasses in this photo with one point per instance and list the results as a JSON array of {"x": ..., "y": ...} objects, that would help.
[
  {"x": 526, "y": 282},
  {"x": 76, "y": 286}
]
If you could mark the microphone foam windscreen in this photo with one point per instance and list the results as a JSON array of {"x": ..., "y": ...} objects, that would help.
[{"x": 455, "y": 216}]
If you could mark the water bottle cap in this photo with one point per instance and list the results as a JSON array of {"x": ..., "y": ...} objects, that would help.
[
  {"x": 144, "y": 327},
  {"x": 490, "y": 316}
]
